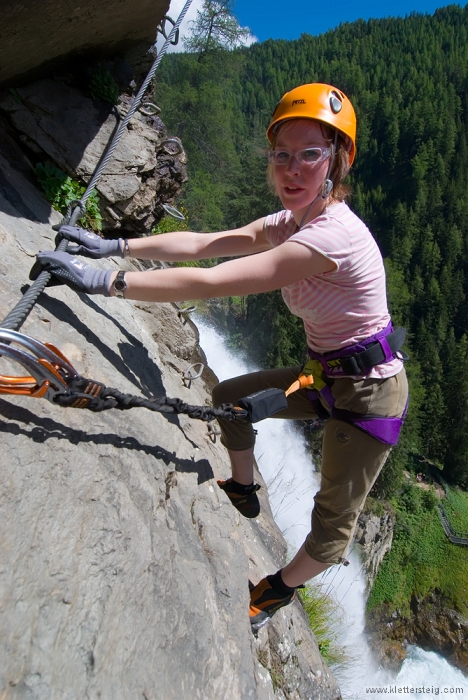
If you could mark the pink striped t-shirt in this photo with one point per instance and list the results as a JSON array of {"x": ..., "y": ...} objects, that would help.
[{"x": 349, "y": 304}]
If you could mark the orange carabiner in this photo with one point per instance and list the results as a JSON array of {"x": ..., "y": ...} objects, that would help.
[
  {"x": 20, "y": 386},
  {"x": 48, "y": 368}
]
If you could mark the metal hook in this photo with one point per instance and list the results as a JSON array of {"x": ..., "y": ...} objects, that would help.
[
  {"x": 188, "y": 310},
  {"x": 172, "y": 211},
  {"x": 162, "y": 29},
  {"x": 189, "y": 377},
  {"x": 173, "y": 141},
  {"x": 149, "y": 109},
  {"x": 212, "y": 432}
]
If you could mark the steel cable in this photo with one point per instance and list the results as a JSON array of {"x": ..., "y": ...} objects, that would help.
[{"x": 20, "y": 312}]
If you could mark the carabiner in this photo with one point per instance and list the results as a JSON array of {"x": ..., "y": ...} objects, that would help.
[{"x": 48, "y": 369}]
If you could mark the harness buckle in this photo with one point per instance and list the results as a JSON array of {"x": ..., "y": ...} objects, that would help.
[
  {"x": 351, "y": 364},
  {"x": 49, "y": 370}
]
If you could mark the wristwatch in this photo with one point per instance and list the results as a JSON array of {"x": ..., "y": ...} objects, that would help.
[{"x": 119, "y": 285}]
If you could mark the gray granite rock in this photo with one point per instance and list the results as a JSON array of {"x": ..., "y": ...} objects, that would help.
[
  {"x": 70, "y": 130},
  {"x": 35, "y": 34},
  {"x": 375, "y": 535},
  {"x": 123, "y": 568}
]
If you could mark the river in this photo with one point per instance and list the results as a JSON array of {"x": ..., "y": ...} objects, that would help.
[{"x": 283, "y": 458}]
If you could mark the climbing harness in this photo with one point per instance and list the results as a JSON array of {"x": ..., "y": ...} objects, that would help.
[
  {"x": 356, "y": 360},
  {"x": 361, "y": 357}
]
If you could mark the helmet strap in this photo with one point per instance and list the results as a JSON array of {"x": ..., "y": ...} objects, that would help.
[{"x": 327, "y": 186}]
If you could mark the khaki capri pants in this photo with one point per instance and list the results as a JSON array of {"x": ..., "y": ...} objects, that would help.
[{"x": 351, "y": 459}]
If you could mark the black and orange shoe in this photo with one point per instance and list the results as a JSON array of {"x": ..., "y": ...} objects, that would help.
[
  {"x": 244, "y": 498},
  {"x": 265, "y": 601}
]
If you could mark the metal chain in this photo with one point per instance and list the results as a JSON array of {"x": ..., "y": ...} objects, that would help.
[
  {"x": 18, "y": 315},
  {"x": 96, "y": 397}
]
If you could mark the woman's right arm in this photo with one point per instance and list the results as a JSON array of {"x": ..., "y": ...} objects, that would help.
[{"x": 179, "y": 246}]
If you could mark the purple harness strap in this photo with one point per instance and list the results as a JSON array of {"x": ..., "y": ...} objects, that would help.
[
  {"x": 386, "y": 430},
  {"x": 333, "y": 369}
]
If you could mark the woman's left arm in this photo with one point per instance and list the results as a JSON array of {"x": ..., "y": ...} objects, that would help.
[{"x": 262, "y": 272}]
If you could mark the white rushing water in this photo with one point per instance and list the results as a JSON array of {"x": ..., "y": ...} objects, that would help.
[{"x": 282, "y": 455}]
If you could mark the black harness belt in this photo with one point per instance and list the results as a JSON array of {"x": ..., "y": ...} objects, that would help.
[{"x": 374, "y": 354}]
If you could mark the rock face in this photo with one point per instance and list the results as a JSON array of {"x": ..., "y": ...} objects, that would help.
[
  {"x": 37, "y": 33},
  {"x": 375, "y": 535},
  {"x": 58, "y": 122},
  {"x": 431, "y": 625},
  {"x": 123, "y": 568}
]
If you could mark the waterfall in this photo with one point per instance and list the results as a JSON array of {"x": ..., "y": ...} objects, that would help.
[{"x": 283, "y": 458}]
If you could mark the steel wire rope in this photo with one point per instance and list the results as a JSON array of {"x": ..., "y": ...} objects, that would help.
[
  {"x": 134, "y": 106},
  {"x": 15, "y": 319}
]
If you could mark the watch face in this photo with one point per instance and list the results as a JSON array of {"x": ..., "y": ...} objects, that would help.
[{"x": 120, "y": 284}]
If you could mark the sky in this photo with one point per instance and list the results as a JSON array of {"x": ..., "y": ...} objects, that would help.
[
  {"x": 276, "y": 19},
  {"x": 268, "y": 19}
]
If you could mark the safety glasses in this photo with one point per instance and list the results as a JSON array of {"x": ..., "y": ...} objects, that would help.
[{"x": 307, "y": 156}]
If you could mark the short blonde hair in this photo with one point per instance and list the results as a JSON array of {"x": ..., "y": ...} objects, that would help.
[{"x": 340, "y": 167}]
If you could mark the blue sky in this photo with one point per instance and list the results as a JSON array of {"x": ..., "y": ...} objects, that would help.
[{"x": 276, "y": 19}]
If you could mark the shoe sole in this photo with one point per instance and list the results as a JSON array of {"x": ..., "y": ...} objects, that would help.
[{"x": 261, "y": 623}]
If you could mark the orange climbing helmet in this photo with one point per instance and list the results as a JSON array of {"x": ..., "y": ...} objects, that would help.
[{"x": 321, "y": 102}]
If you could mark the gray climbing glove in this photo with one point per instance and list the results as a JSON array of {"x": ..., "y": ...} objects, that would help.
[
  {"x": 73, "y": 272},
  {"x": 89, "y": 244}
]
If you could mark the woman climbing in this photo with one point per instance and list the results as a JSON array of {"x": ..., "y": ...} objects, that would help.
[{"x": 331, "y": 274}]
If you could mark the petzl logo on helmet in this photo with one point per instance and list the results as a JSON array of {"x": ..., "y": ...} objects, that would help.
[{"x": 298, "y": 102}]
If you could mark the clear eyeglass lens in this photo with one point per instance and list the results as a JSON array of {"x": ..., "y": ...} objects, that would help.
[{"x": 309, "y": 156}]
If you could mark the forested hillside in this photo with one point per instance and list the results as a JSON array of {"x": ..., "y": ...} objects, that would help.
[{"x": 408, "y": 79}]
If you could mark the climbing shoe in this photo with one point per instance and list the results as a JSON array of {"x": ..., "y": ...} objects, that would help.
[
  {"x": 244, "y": 498},
  {"x": 265, "y": 601}
]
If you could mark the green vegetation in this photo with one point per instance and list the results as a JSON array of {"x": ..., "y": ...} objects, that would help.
[
  {"x": 422, "y": 559},
  {"x": 170, "y": 223},
  {"x": 215, "y": 28},
  {"x": 408, "y": 79},
  {"x": 456, "y": 507},
  {"x": 102, "y": 86},
  {"x": 323, "y": 619},
  {"x": 60, "y": 190}
]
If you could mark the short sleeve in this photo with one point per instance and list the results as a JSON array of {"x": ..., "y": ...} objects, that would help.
[
  {"x": 329, "y": 237},
  {"x": 279, "y": 227}
]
